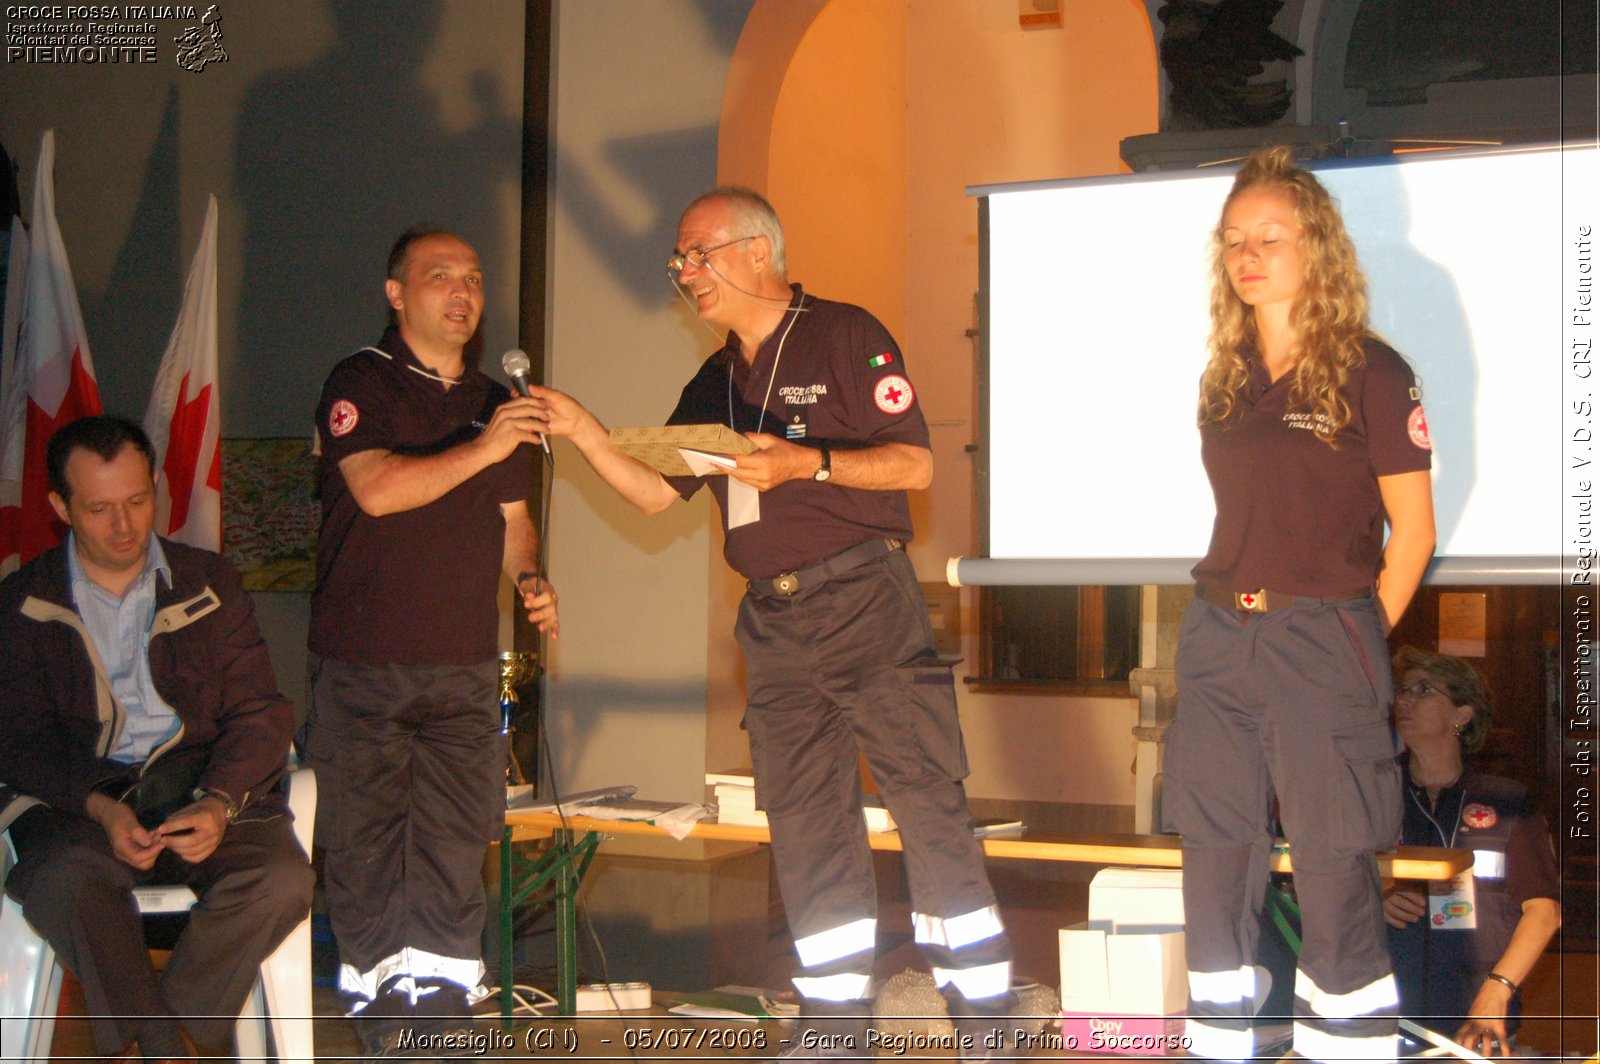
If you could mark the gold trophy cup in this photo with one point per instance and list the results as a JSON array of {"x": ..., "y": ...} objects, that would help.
[{"x": 517, "y": 667}]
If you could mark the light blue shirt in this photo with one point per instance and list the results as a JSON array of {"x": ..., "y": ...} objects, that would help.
[{"x": 120, "y": 629}]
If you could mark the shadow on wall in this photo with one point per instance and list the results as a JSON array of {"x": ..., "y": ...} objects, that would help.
[
  {"x": 129, "y": 325},
  {"x": 334, "y": 160},
  {"x": 668, "y": 169},
  {"x": 585, "y": 701},
  {"x": 1432, "y": 335},
  {"x": 724, "y": 21}
]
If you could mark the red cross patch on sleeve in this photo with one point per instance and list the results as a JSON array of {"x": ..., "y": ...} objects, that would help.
[
  {"x": 342, "y": 418},
  {"x": 894, "y": 394},
  {"x": 1417, "y": 428}
]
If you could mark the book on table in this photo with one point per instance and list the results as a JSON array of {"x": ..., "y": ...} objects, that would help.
[{"x": 735, "y": 798}]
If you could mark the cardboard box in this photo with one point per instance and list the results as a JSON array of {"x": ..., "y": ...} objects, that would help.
[
  {"x": 1137, "y": 899},
  {"x": 1124, "y": 987},
  {"x": 1126, "y": 1036}
]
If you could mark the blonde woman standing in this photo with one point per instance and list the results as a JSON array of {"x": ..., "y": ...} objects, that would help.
[{"x": 1313, "y": 438}]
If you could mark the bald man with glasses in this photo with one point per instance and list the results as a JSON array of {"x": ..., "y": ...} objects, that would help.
[{"x": 837, "y": 642}]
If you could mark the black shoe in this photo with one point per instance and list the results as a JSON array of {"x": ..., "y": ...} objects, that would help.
[
  {"x": 386, "y": 1046},
  {"x": 381, "y": 1021},
  {"x": 440, "y": 999}
]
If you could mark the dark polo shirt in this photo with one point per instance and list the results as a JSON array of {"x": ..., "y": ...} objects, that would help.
[
  {"x": 840, "y": 379},
  {"x": 1294, "y": 514},
  {"x": 1439, "y": 969},
  {"x": 417, "y": 587}
]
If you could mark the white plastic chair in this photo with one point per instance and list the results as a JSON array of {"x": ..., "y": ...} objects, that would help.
[{"x": 30, "y": 975}]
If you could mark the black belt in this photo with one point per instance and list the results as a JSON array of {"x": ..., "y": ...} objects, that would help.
[
  {"x": 1265, "y": 600},
  {"x": 787, "y": 584}
]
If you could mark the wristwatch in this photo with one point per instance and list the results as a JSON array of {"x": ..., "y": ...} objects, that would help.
[
  {"x": 229, "y": 806},
  {"x": 825, "y": 470}
]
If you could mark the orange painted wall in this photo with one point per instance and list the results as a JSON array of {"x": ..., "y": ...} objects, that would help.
[{"x": 838, "y": 157}]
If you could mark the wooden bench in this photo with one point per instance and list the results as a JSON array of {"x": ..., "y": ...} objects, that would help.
[{"x": 575, "y": 838}]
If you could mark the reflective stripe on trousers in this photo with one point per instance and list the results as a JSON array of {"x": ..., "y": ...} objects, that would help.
[
  {"x": 1357, "y": 1025},
  {"x": 1219, "y": 1040},
  {"x": 836, "y": 964},
  {"x": 970, "y": 968},
  {"x": 413, "y": 964},
  {"x": 826, "y": 947},
  {"x": 1231, "y": 994}
]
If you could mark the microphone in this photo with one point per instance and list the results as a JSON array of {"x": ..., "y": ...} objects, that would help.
[{"x": 516, "y": 365}]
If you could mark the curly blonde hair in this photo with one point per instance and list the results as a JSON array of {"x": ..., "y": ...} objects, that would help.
[{"x": 1329, "y": 317}]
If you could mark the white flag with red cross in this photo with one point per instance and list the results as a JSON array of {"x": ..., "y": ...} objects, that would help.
[
  {"x": 184, "y": 418},
  {"x": 49, "y": 382}
]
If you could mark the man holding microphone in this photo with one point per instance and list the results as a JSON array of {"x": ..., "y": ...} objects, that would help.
[{"x": 425, "y": 469}]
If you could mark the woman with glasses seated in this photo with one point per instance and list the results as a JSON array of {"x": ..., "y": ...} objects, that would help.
[{"x": 1462, "y": 948}]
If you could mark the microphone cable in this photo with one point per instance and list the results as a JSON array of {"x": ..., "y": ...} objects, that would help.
[{"x": 547, "y": 476}]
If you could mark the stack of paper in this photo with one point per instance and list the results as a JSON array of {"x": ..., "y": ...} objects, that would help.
[{"x": 735, "y": 797}]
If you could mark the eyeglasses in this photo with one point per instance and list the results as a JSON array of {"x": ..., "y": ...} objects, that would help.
[
  {"x": 1420, "y": 689},
  {"x": 698, "y": 256}
]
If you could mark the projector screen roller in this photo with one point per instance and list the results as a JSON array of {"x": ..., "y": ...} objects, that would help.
[{"x": 1097, "y": 320}]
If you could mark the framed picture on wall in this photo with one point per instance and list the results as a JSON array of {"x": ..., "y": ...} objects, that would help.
[{"x": 270, "y": 512}]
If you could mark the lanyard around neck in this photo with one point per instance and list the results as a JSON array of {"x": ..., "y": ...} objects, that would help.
[
  {"x": 1437, "y": 827},
  {"x": 794, "y": 316}
]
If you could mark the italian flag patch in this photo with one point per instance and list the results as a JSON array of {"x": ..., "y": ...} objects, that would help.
[{"x": 881, "y": 360}]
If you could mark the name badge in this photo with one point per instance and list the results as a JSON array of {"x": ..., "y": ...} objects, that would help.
[{"x": 1453, "y": 904}]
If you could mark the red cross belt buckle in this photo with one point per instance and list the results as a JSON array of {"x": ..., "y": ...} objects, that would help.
[{"x": 1250, "y": 601}]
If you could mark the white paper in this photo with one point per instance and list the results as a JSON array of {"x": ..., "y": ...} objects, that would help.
[
  {"x": 675, "y": 820},
  {"x": 744, "y": 501},
  {"x": 744, "y": 504},
  {"x": 703, "y": 464}
]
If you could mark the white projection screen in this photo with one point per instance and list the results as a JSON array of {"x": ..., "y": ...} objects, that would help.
[{"x": 1096, "y": 326}]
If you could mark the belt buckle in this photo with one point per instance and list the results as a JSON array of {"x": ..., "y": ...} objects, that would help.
[
  {"x": 1250, "y": 601},
  {"x": 786, "y": 583}
]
